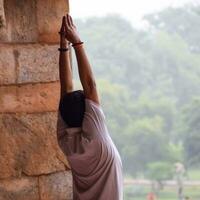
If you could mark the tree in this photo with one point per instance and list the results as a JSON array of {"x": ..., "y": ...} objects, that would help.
[
  {"x": 146, "y": 77},
  {"x": 183, "y": 21},
  {"x": 190, "y": 133}
]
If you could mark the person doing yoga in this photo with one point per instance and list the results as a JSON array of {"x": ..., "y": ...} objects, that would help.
[{"x": 82, "y": 133}]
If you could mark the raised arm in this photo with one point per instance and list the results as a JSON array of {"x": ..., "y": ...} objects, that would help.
[
  {"x": 65, "y": 69},
  {"x": 85, "y": 71}
]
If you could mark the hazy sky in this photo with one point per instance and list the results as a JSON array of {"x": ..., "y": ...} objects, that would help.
[{"x": 133, "y": 10}]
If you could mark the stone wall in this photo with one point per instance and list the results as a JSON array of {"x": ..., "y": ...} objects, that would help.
[{"x": 31, "y": 164}]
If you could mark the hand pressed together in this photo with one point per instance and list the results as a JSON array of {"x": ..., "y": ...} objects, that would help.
[{"x": 69, "y": 31}]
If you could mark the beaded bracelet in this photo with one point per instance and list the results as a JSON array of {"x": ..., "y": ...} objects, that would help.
[
  {"x": 77, "y": 44},
  {"x": 63, "y": 49}
]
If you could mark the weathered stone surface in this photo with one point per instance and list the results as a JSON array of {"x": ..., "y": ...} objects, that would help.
[
  {"x": 7, "y": 65},
  {"x": 37, "y": 63},
  {"x": 28, "y": 63},
  {"x": 32, "y": 166},
  {"x": 49, "y": 17},
  {"x": 2, "y": 14},
  {"x": 28, "y": 145},
  {"x": 19, "y": 189},
  {"x": 3, "y": 33},
  {"x": 56, "y": 186},
  {"x": 33, "y": 20},
  {"x": 21, "y": 20},
  {"x": 29, "y": 98}
]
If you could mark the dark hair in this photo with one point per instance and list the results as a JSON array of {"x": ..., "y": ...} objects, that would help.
[{"x": 72, "y": 108}]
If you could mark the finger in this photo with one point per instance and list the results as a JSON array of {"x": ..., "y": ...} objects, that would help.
[
  {"x": 66, "y": 23},
  {"x": 71, "y": 21},
  {"x": 63, "y": 24},
  {"x": 62, "y": 29},
  {"x": 68, "y": 20}
]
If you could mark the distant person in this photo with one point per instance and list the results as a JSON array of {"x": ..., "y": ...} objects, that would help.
[
  {"x": 81, "y": 128},
  {"x": 151, "y": 196}
]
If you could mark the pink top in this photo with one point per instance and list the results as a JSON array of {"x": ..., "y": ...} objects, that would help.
[{"x": 95, "y": 162}]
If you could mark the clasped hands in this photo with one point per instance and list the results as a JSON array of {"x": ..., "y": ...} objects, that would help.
[{"x": 68, "y": 32}]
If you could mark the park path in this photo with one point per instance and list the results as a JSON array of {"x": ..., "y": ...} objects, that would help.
[{"x": 167, "y": 183}]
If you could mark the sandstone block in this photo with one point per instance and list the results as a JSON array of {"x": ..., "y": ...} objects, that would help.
[
  {"x": 19, "y": 189},
  {"x": 7, "y": 65},
  {"x": 21, "y": 20},
  {"x": 2, "y": 14},
  {"x": 28, "y": 145},
  {"x": 37, "y": 63},
  {"x": 3, "y": 33},
  {"x": 29, "y": 98},
  {"x": 49, "y": 15},
  {"x": 56, "y": 186}
]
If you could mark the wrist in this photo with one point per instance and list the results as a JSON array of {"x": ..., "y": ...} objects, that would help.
[
  {"x": 62, "y": 49},
  {"x": 64, "y": 44},
  {"x": 77, "y": 41},
  {"x": 77, "y": 44},
  {"x": 78, "y": 48}
]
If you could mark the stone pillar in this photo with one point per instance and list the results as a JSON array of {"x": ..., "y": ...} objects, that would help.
[{"x": 31, "y": 164}]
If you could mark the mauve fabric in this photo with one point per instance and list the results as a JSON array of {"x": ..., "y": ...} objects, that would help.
[{"x": 94, "y": 159}]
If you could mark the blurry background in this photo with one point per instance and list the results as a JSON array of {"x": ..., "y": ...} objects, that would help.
[{"x": 146, "y": 57}]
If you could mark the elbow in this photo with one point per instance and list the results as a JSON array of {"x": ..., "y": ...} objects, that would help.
[{"x": 69, "y": 88}]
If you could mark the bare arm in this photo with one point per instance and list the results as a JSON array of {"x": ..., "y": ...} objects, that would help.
[
  {"x": 85, "y": 71},
  {"x": 65, "y": 69},
  {"x": 86, "y": 74}
]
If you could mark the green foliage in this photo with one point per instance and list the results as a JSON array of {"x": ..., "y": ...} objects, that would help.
[
  {"x": 175, "y": 152},
  {"x": 193, "y": 174},
  {"x": 191, "y": 124},
  {"x": 147, "y": 81},
  {"x": 184, "y": 21},
  {"x": 160, "y": 171}
]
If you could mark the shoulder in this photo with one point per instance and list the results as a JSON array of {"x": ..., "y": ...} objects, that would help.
[
  {"x": 94, "y": 108},
  {"x": 94, "y": 119}
]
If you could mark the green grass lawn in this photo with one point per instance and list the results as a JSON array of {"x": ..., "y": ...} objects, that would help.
[{"x": 168, "y": 193}]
